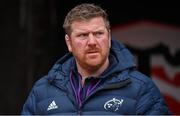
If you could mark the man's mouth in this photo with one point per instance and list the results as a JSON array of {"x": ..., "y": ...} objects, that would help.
[{"x": 92, "y": 52}]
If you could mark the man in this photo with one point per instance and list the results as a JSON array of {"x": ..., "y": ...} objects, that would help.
[{"x": 97, "y": 76}]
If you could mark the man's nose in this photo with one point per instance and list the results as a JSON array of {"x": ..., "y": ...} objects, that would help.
[{"x": 92, "y": 39}]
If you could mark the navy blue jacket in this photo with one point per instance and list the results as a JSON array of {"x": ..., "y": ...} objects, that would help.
[{"x": 120, "y": 89}]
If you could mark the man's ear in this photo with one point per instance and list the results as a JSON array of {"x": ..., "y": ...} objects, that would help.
[
  {"x": 68, "y": 42},
  {"x": 109, "y": 38}
]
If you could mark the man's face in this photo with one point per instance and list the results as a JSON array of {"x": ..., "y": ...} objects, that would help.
[{"x": 89, "y": 42}]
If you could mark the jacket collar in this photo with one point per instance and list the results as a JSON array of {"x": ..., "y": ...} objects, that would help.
[{"x": 120, "y": 59}]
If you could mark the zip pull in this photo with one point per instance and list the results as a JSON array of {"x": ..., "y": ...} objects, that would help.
[{"x": 79, "y": 112}]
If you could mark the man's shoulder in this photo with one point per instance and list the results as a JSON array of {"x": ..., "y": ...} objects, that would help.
[
  {"x": 140, "y": 78},
  {"x": 43, "y": 81},
  {"x": 145, "y": 83}
]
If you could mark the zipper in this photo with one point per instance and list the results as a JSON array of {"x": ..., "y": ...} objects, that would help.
[
  {"x": 80, "y": 90},
  {"x": 77, "y": 90},
  {"x": 79, "y": 112}
]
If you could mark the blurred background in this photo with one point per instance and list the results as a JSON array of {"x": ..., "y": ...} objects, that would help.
[{"x": 32, "y": 40}]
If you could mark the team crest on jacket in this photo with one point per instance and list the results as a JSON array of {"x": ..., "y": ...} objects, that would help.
[{"x": 113, "y": 104}]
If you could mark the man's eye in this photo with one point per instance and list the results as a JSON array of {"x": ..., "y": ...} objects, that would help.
[
  {"x": 82, "y": 35},
  {"x": 98, "y": 33}
]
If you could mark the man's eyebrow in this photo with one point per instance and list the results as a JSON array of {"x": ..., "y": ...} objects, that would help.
[{"x": 87, "y": 31}]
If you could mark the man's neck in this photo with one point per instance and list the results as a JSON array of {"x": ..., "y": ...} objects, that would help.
[{"x": 85, "y": 73}]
